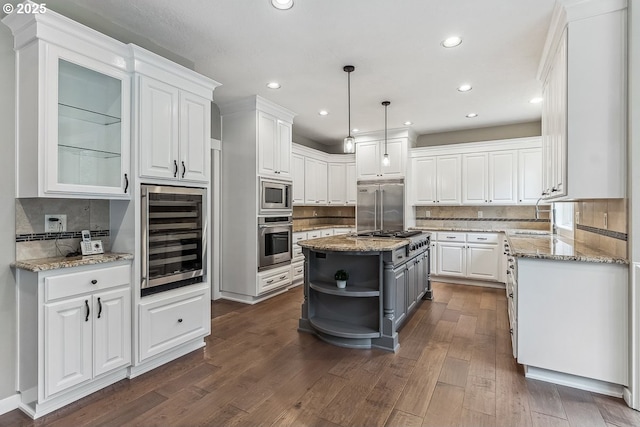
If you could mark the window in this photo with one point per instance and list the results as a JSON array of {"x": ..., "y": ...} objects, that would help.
[{"x": 563, "y": 218}]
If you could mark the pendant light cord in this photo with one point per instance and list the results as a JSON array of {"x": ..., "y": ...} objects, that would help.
[{"x": 386, "y": 104}]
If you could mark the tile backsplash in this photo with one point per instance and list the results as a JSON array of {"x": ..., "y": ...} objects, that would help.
[
  {"x": 602, "y": 224},
  {"x": 31, "y": 239},
  {"x": 483, "y": 217},
  {"x": 321, "y": 215}
]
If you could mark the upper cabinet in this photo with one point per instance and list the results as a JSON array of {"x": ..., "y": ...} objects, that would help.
[
  {"x": 274, "y": 142},
  {"x": 370, "y": 150},
  {"x": 173, "y": 107},
  {"x": 494, "y": 172},
  {"x": 584, "y": 113},
  {"x": 73, "y": 109}
]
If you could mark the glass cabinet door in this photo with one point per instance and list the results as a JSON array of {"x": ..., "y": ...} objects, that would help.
[{"x": 92, "y": 128}]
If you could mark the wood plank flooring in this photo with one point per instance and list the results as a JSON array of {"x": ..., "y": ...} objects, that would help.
[{"x": 454, "y": 368}]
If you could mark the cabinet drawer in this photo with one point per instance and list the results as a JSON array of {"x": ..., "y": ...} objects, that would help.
[
  {"x": 451, "y": 237},
  {"x": 482, "y": 238},
  {"x": 297, "y": 237},
  {"x": 297, "y": 254},
  {"x": 326, "y": 233},
  {"x": 297, "y": 271},
  {"x": 166, "y": 323},
  {"x": 273, "y": 280},
  {"x": 66, "y": 285},
  {"x": 314, "y": 234}
]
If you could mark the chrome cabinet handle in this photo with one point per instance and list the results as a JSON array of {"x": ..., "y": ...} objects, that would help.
[
  {"x": 99, "y": 307},
  {"x": 86, "y": 304},
  {"x": 184, "y": 169},
  {"x": 126, "y": 182}
]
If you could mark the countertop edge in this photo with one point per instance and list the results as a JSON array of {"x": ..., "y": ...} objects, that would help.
[
  {"x": 355, "y": 244},
  {"x": 46, "y": 264},
  {"x": 579, "y": 258},
  {"x": 302, "y": 229}
]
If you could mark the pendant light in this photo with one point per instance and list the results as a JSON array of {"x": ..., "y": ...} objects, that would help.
[
  {"x": 349, "y": 142},
  {"x": 385, "y": 158}
]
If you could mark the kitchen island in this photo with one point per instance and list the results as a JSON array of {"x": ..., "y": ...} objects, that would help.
[{"x": 387, "y": 279}]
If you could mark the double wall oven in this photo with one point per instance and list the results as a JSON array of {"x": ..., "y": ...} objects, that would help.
[
  {"x": 275, "y": 224},
  {"x": 173, "y": 237}
]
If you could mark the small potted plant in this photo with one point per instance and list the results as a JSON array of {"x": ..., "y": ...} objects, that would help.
[{"x": 341, "y": 277}]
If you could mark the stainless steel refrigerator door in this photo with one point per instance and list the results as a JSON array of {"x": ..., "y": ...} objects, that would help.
[
  {"x": 367, "y": 209},
  {"x": 392, "y": 215}
]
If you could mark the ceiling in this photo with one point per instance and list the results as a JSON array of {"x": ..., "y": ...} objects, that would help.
[{"x": 394, "y": 45}]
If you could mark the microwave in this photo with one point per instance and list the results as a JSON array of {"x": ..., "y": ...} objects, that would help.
[{"x": 275, "y": 196}]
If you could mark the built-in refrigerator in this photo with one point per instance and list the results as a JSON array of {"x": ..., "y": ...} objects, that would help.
[{"x": 380, "y": 206}]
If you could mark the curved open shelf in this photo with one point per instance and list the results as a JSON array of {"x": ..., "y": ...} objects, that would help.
[
  {"x": 350, "y": 291},
  {"x": 342, "y": 329}
]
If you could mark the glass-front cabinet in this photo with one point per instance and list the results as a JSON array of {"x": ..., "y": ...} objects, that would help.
[{"x": 87, "y": 127}]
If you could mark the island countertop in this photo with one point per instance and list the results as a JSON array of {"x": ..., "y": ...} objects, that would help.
[
  {"x": 554, "y": 247},
  {"x": 343, "y": 243}
]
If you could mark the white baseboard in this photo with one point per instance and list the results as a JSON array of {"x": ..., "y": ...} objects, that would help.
[
  {"x": 628, "y": 398},
  {"x": 245, "y": 299},
  {"x": 463, "y": 281},
  {"x": 10, "y": 403},
  {"x": 582, "y": 383}
]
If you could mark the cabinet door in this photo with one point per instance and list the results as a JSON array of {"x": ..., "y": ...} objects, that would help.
[
  {"x": 112, "y": 330},
  {"x": 451, "y": 259},
  {"x": 421, "y": 276},
  {"x": 474, "y": 178},
  {"x": 368, "y": 160},
  {"x": 283, "y": 154},
  {"x": 396, "y": 159},
  {"x": 529, "y": 175},
  {"x": 351, "y": 184},
  {"x": 67, "y": 344},
  {"x": 267, "y": 144},
  {"x": 424, "y": 180},
  {"x": 433, "y": 258},
  {"x": 311, "y": 171},
  {"x": 412, "y": 291},
  {"x": 86, "y": 126},
  {"x": 448, "y": 180},
  {"x": 159, "y": 151},
  {"x": 337, "y": 177},
  {"x": 483, "y": 261},
  {"x": 321, "y": 182},
  {"x": 297, "y": 172},
  {"x": 401, "y": 296},
  {"x": 503, "y": 177},
  {"x": 195, "y": 137}
]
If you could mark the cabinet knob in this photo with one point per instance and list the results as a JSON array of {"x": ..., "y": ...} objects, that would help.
[
  {"x": 511, "y": 295},
  {"x": 180, "y": 320},
  {"x": 94, "y": 282}
]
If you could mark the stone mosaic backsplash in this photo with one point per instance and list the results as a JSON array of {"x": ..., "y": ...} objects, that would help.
[
  {"x": 483, "y": 217},
  {"x": 324, "y": 215},
  {"x": 33, "y": 242},
  {"x": 593, "y": 229}
]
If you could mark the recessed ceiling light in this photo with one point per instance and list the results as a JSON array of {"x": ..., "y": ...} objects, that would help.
[
  {"x": 536, "y": 100},
  {"x": 471, "y": 115},
  {"x": 273, "y": 85},
  {"x": 355, "y": 130},
  {"x": 282, "y": 4},
  {"x": 464, "y": 88},
  {"x": 323, "y": 112},
  {"x": 407, "y": 123},
  {"x": 452, "y": 41}
]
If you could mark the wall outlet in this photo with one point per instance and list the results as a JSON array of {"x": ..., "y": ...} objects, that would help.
[
  {"x": 606, "y": 221},
  {"x": 55, "y": 223},
  {"x": 427, "y": 214},
  {"x": 479, "y": 214}
]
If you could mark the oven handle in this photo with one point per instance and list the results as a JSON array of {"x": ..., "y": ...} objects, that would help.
[{"x": 285, "y": 224}]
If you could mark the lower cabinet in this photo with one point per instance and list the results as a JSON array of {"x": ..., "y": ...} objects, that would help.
[
  {"x": 474, "y": 256},
  {"x": 74, "y": 333},
  {"x": 167, "y": 321},
  {"x": 270, "y": 280},
  {"x": 411, "y": 283}
]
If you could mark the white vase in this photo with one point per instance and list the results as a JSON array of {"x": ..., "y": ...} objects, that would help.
[{"x": 341, "y": 283}]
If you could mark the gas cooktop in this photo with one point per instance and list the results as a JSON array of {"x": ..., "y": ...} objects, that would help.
[{"x": 391, "y": 234}]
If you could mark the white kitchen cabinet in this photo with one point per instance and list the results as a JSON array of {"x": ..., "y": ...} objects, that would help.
[
  {"x": 529, "y": 175},
  {"x": 75, "y": 332},
  {"x": 473, "y": 256},
  {"x": 315, "y": 181},
  {"x": 424, "y": 180},
  {"x": 297, "y": 175},
  {"x": 451, "y": 259},
  {"x": 503, "y": 177},
  {"x": 584, "y": 115},
  {"x": 175, "y": 132},
  {"x": 337, "y": 183},
  {"x": 73, "y": 112},
  {"x": 475, "y": 175},
  {"x": 369, "y": 156},
  {"x": 482, "y": 261},
  {"x": 437, "y": 179},
  {"x": 274, "y": 146},
  {"x": 352, "y": 184}
]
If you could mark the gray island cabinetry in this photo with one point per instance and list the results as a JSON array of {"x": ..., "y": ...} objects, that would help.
[{"x": 386, "y": 281}]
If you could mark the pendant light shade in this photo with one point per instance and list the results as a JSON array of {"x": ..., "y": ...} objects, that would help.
[
  {"x": 349, "y": 145},
  {"x": 385, "y": 158}
]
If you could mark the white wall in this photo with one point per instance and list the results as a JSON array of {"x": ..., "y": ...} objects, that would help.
[{"x": 7, "y": 215}]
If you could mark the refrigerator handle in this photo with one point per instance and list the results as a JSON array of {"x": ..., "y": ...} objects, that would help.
[
  {"x": 381, "y": 209},
  {"x": 375, "y": 210}
]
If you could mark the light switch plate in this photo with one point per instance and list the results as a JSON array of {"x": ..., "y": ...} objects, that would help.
[{"x": 479, "y": 214}]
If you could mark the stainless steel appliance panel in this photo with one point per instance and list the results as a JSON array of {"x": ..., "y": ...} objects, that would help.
[
  {"x": 274, "y": 241},
  {"x": 367, "y": 208},
  {"x": 380, "y": 206},
  {"x": 275, "y": 196},
  {"x": 392, "y": 195}
]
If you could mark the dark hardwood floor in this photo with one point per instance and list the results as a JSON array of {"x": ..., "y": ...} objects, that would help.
[{"x": 454, "y": 368}]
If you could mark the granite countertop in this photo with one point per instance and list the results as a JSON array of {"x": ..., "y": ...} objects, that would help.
[
  {"x": 345, "y": 243},
  {"x": 44, "y": 264},
  {"x": 477, "y": 230},
  {"x": 297, "y": 228},
  {"x": 554, "y": 247}
]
